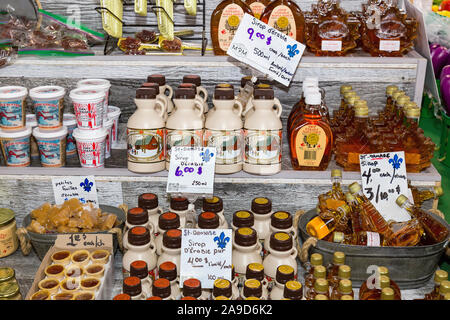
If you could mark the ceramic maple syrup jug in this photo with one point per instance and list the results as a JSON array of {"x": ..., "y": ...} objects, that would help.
[
  {"x": 149, "y": 201},
  {"x": 166, "y": 221},
  {"x": 145, "y": 133},
  {"x": 184, "y": 209},
  {"x": 171, "y": 248},
  {"x": 263, "y": 135},
  {"x": 256, "y": 271},
  {"x": 184, "y": 127},
  {"x": 261, "y": 208},
  {"x": 223, "y": 130},
  {"x": 164, "y": 89},
  {"x": 159, "y": 96},
  {"x": 246, "y": 249},
  {"x": 209, "y": 220},
  {"x": 242, "y": 219},
  {"x": 281, "y": 252}
]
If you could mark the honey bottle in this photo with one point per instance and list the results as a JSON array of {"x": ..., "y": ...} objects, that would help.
[
  {"x": 319, "y": 228},
  {"x": 286, "y": 17},
  {"x": 320, "y": 272},
  {"x": 439, "y": 277},
  {"x": 434, "y": 229},
  {"x": 225, "y": 21},
  {"x": 344, "y": 288},
  {"x": 320, "y": 287},
  {"x": 374, "y": 284},
  {"x": 257, "y": 6},
  {"x": 312, "y": 139}
]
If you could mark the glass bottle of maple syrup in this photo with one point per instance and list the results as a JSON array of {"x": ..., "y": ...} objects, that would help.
[
  {"x": 424, "y": 195},
  {"x": 389, "y": 91},
  {"x": 320, "y": 287},
  {"x": 320, "y": 228},
  {"x": 316, "y": 259},
  {"x": 312, "y": 139},
  {"x": 320, "y": 272},
  {"x": 225, "y": 21},
  {"x": 444, "y": 290},
  {"x": 439, "y": 276},
  {"x": 344, "y": 288},
  {"x": 286, "y": 17},
  {"x": 374, "y": 285},
  {"x": 344, "y": 272},
  {"x": 299, "y": 106},
  {"x": 257, "y": 6}
]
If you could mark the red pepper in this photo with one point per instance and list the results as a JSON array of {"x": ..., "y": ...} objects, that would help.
[{"x": 445, "y": 5}]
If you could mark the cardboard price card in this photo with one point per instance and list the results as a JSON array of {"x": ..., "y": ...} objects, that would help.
[
  {"x": 80, "y": 187},
  {"x": 192, "y": 170},
  {"x": 206, "y": 255},
  {"x": 383, "y": 180},
  {"x": 84, "y": 240},
  {"x": 266, "y": 49}
]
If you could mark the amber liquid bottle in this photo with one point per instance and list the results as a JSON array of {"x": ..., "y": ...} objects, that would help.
[
  {"x": 225, "y": 21},
  {"x": 311, "y": 140},
  {"x": 287, "y": 17},
  {"x": 257, "y": 6},
  {"x": 372, "y": 291},
  {"x": 439, "y": 276}
]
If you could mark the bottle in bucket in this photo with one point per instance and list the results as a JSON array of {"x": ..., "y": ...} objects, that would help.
[
  {"x": 15, "y": 147},
  {"x": 52, "y": 146},
  {"x": 12, "y": 108},
  {"x": 91, "y": 147},
  {"x": 88, "y": 107},
  {"x": 49, "y": 106}
]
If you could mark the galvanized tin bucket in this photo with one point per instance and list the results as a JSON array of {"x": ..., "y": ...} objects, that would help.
[
  {"x": 409, "y": 267},
  {"x": 43, "y": 242}
]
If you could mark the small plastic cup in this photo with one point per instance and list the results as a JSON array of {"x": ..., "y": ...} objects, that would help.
[
  {"x": 52, "y": 146},
  {"x": 32, "y": 123},
  {"x": 15, "y": 147},
  {"x": 49, "y": 106},
  {"x": 12, "y": 108},
  {"x": 108, "y": 126},
  {"x": 114, "y": 115},
  {"x": 101, "y": 84},
  {"x": 70, "y": 122},
  {"x": 88, "y": 107},
  {"x": 91, "y": 147}
]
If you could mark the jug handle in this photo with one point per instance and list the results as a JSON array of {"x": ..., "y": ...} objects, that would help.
[
  {"x": 240, "y": 107},
  {"x": 163, "y": 106},
  {"x": 278, "y": 106},
  {"x": 205, "y": 93},
  {"x": 247, "y": 110},
  {"x": 294, "y": 252},
  {"x": 200, "y": 107},
  {"x": 169, "y": 88}
]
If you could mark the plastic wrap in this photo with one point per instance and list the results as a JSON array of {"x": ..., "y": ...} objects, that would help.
[{"x": 438, "y": 28}]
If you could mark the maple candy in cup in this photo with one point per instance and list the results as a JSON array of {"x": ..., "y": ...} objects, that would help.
[
  {"x": 91, "y": 147},
  {"x": 15, "y": 147},
  {"x": 52, "y": 146},
  {"x": 88, "y": 107},
  {"x": 114, "y": 114},
  {"x": 100, "y": 256},
  {"x": 100, "y": 84},
  {"x": 80, "y": 258},
  {"x": 12, "y": 107},
  {"x": 70, "y": 122},
  {"x": 49, "y": 284},
  {"x": 41, "y": 295},
  {"x": 84, "y": 295},
  {"x": 61, "y": 257},
  {"x": 49, "y": 106}
]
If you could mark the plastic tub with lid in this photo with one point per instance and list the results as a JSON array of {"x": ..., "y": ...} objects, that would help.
[
  {"x": 49, "y": 106},
  {"x": 114, "y": 114},
  {"x": 102, "y": 84},
  {"x": 70, "y": 122},
  {"x": 91, "y": 147},
  {"x": 12, "y": 107},
  {"x": 32, "y": 123},
  {"x": 88, "y": 107},
  {"x": 52, "y": 146},
  {"x": 15, "y": 147},
  {"x": 108, "y": 142}
]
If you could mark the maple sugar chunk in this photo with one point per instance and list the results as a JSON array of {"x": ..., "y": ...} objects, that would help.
[
  {"x": 59, "y": 217},
  {"x": 109, "y": 221},
  {"x": 36, "y": 227},
  {"x": 87, "y": 222},
  {"x": 66, "y": 229}
]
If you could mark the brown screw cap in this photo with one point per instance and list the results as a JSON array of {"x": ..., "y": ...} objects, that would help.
[
  {"x": 222, "y": 287},
  {"x": 184, "y": 93},
  {"x": 139, "y": 236},
  {"x": 169, "y": 220},
  {"x": 245, "y": 237},
  {"x": 243, "y": 218},
  {"x": 293, "y": 290},
  {"x": 214, "y": 204},
  {"x": 264, "y": 94},
  {"x": 139, "y": 269},
  {"x": 252, "y": 288},
  {"x": 261, "y": 205},
  {"x": 281, "y": 241},
  {"x": 224, "y": 86},
  {"x": 161, "y": 288},
  {"x": 193, "y": 78},
  {"x": 281, "y": 220},
  {"x": 148, "y": 201},
  {"x": 172, "y": 239},
  {"x": 224, "y": 94},
  {"x": 192, "y": 288},
  {"x": 244, "y": 80},
  {"x": 146, "y": 93},
  {"x": 158, "y": 78},
  {"x": 137, "y": 216},
  {"x": 179, "y": 204},
  {"x": 208, "y": 220},
  {"x": 168, "y": 270},
  {"x": 284, "y": 274},
  {"x": 255, "y": 271},
  {"x": 152, "y": 85},
  {"x": 132, "y": 286}
]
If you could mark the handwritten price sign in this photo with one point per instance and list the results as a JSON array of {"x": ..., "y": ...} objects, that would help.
[
  {"x": 266, "y": 49},
  {"x": 80, "y": 187},
  {"x": 191, "y": 170},
  {"x": 383, "y": 180}
]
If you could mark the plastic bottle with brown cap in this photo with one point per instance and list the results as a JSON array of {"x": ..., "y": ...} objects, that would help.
[
  {"x": 139, "y": 269},
  {"x": 281, "y": 221},
  {"x": 161, "y": 288},
  {"x": 252, "y": 288},
  {"x": 193, "y": 288},
  {"x": 284, "y": 274},
  {"x": 159, "y": 96},
  {"x": 182, "y": 207},
  {"x": 145, "y": 133},
  {"x": 241, "y": 219},
  {"x": 209, "y": 220},
  {"x": 168, "y": 270},
  {"x": 201, "y": 91},
  {"x": 215, "y": 204},
  {"x": 139, "y": 248},
  {"x": 167, "y": 220},
  {"x": 171, "y": 248},
  {"x": 149, "y": 201},
  {"x": 132, "y": 286},
  {"x": 223, "y": 287},
  {"x": 263, "y": 134},
  {"x": 137, "y": 217},
  {"x": 164, "y": 88},
  {"x": 293, "y": 290},
  {"x": 281, "y": 252},
  {"x": 246, "y": 249},
  {"x": 184, "y": 127},
  {"x": 261, "y": 208},
  {"x": 256, "y": 271}
]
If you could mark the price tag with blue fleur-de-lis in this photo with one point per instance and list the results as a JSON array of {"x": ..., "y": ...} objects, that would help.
[
  {"x": 82, "y": 188},
  {"x": 191, "y": 170}
]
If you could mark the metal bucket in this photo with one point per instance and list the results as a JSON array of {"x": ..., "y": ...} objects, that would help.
[
  {"x": 409, "y": 267},
  {"x": 43, "y": 242}
]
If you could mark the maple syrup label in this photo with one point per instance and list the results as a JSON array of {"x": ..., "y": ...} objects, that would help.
[
  {"x": 228, "y": 144},
  {"x": 182, "y": 138},
  {"x": 228, "y": 24},
  {"x": 16, "y": 152},
  {"x": 373, "y": 239},
  {"x": 331, "y": 45},
  {"x": 283, "y": 20},
  {"x": 311, "y": 141},
  {"x": 12, "y": 114},
  {"x": 52, "y": 152},
  {"x": 257, "y": 9},
  {"x": 389, "y": 45},
  {"x": 145, "y": 145},
  {"x": 262, "y": 146}
]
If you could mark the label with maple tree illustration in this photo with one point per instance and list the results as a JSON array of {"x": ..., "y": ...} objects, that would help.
[
  {"x": 182, "y": 138},
  {"x": 310, "y": 142},
  {"x": 228, "y": 144},
  {"x": 145, "y": 145},
  {"x": 262, "y": 146}
]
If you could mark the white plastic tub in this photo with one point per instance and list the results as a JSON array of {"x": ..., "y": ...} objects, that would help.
[
  {"x": 108, "y": 142},
  {"x": 101, "y": 84},
  {"x": 88, "y": 107},
  {"x": 12, "y": 108},
  {"x": 114, "y": 115},
  {"x": 91, "y": 147},
  {"x": 32, "y": 123},
  {"x": 70, "y": 122},
  {"x": 52, "y": 146},
  {"x": 15, "y": 146},
  {"x": 49, "y": 106}
]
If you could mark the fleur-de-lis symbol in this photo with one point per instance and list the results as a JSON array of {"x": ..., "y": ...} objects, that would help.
[
  {"x": 222, "y": 240},
  {"x": 206, "y": 155},
  {"x": 396, "y": 162},
  {"x": 87, "y": 185},
  {"x": 292, "y": 50}
]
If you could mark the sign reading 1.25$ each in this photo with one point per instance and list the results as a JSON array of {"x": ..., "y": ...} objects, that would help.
[{"x": 266, "y": 49}]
